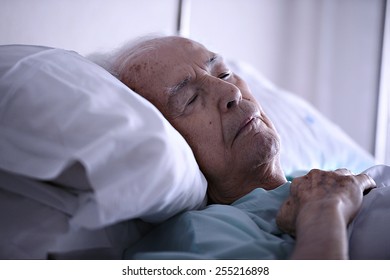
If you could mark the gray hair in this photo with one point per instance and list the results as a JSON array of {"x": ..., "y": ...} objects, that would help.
[{"x": 116, "y": 62}]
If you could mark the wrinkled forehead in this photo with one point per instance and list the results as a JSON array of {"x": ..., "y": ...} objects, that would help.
[
  {"x": 164, "y": 63},
  {"x": 175, "y": 54},
  {"x": 174, "y": 47}
]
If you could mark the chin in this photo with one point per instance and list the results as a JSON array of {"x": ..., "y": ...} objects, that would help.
[{"x": 269, "y": 150}]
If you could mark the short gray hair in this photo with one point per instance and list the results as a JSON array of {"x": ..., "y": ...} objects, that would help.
[{"x": 116, "y": 62}]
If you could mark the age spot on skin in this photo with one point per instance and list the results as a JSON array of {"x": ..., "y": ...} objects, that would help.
[{"x": 136, "y": 68}]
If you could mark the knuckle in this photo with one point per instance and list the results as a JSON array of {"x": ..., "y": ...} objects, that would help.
[
  {"x": 315, "y": 171},
  {"x": 343, "y": 171},
  {"x": 345, "y": 180}
]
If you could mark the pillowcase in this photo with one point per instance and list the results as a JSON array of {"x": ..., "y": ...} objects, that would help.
[
  {"x": 66, "y": 120},
  {"x": 308, "y": 139}
]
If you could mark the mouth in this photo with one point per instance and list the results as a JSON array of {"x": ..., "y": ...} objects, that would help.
[{"x": 246, "y": 125}]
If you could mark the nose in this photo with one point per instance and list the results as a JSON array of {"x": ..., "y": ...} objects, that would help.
[{"x": 227, "y": 95}]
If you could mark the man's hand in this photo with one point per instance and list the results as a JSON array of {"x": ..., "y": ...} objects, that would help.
[
  {"x": 318, "y": 188},
  {"x": 320, "y": 206}
]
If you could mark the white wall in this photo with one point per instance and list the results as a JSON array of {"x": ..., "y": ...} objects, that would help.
[
  {"x": 327, "y": 51},
  {"x": 382, "y": 151},
  {"x": 83, "y": 25}
]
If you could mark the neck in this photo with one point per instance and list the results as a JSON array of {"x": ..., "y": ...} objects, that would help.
[
  {"x": 270, "y": 175},
  {"x": 267, "y": 176}
]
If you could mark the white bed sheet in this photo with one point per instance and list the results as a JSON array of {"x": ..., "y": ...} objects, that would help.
[{"x": 35, "y": 225}]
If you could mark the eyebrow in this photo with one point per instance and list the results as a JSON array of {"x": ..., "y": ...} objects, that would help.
[
  {"x": 173, "y": 90},
  {"x": 180, "y": 85}
]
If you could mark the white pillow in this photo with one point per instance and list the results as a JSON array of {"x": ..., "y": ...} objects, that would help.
[
  {"x": 66, "y": 120},
  {"x": 308, "y": 139}
]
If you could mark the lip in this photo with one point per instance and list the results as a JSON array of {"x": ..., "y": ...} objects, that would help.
[{"x": 246, "y": 123}]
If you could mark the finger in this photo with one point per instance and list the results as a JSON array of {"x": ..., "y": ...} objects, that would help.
[
  {"x": 343, "y": 171},
  {"x": 367, "y": 183}
]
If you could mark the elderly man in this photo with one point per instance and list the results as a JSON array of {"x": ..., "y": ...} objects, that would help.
[{"x": 236, "y": 145}]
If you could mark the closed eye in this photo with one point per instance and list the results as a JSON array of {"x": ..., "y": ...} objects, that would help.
[
  {"x": 225, "y": 75},
  {"x": 192, "y": 100}
]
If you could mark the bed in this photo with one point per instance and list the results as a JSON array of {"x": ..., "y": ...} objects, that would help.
[{"x": 89, "y": 169}]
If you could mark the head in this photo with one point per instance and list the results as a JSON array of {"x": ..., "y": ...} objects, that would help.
[{"x": 234, "y": 142}]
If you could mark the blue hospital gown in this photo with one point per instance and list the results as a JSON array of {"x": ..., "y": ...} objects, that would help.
[{"x": 247, "y": 229}]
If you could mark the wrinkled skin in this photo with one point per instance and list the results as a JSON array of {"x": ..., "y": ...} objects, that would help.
[{"x": 322, "y": 188}]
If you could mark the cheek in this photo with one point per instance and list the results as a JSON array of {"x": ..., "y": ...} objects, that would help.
[
  {"x": 200, "y": 135},
  {"x": 204, "y": 138},
  {"x": 247, "y": 95},
  {"x": 240, "y": 83},
  {"x": 245, "y": 91}
]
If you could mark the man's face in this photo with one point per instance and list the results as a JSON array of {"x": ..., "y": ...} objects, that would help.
[{"x": 213, "y": 109}]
